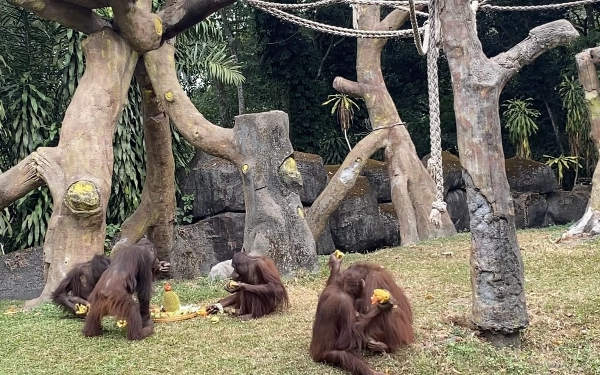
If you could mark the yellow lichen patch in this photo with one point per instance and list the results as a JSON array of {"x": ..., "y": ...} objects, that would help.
[
  {"x": 158, "y": 26},
  {"x": 290, "y": 164},
  {"x": 300, "y": 211},
  {"x": 82, "y": 196},
  {"x": 169, "y": 96},
  {"x": 245, "y": 168}
]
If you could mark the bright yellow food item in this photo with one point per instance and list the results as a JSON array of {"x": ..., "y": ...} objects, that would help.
[
  {"x": 214, "y": 319},
  {"x": 202, "y": 312},
  {"x": 380, "y": 296},
  {"x": 338, "y": 254},
  {"x": 121, "y": 323},
  {"x": 81, "y": 309},
  {"x": 233, "y": 284}
]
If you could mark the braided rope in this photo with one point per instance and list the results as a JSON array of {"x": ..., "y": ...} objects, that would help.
[
  {"x": 320, "y": 3},
  {"x": 434, "y": 164},
  {"x": 498, "y": 8},
  {"x": 335, "y": 30}
]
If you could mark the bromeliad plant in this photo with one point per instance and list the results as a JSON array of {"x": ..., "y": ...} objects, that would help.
[
  {"x": 562, "y": 163},
  {"x": 344, "y": 106},
  {"x": 520, "y": 122}
]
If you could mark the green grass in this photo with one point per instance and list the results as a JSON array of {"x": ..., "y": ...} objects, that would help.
[{"x": 562, "y": 296}]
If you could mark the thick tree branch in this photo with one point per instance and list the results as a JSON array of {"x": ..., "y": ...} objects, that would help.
[
  {"x": 138, "y": 25},
  {"x": 197, "y": 130},
  {"x": 181, "y": 15},
  {"x": 90, "y": 4},
  {"x": 540, "y": 40},
  {"x": 156, "y": 212},
  {"x": 16, "y": 182},
  {"x": 67, "y": 14},
  {"x": 343, "y": 181},
  {"x": 345, "y": 86}
]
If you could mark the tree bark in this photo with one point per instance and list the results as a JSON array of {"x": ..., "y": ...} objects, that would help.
[
  {"x": 413, "y": 189},
  {"x": 275, "y": 221},
  {"x": 67, "y": 14},
  {"x": 342, "y": 181},
  {"x": 259, "y": 147},
  {"x": 183, "y": 14},
  {"x": 156, "y": 212},
  {"x": 499, "y": 307},
  {"x": 589, "y": 224},
  {"x": 79, "y": 176}
]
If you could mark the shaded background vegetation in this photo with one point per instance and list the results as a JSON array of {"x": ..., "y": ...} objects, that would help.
[{"x": 284, "y": 67}]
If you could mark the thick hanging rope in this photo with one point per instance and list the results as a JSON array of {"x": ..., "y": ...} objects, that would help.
[{"x": 430, "y": 46}]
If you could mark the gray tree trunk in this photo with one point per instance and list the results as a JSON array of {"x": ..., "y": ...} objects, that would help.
[
  {"x": 499, "y": 307},
  {"x": 275, "y": 223}
]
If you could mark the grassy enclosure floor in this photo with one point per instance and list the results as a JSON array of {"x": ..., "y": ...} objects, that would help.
[{"x": 562, "y": 300}]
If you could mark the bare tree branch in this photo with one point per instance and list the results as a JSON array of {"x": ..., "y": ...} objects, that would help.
[
  {"x": 181, "y": 15},
  {"x": 343, "y": 181},
  {"x": 345, "y": 86},
  {"x": 16, "y": 182},
  {"x": 196, "y": 129},
  {"x": 540, "y": 40},
  {"x": 67, "y": 14}
]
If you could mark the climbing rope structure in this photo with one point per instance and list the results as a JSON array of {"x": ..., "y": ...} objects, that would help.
[{"x": 429, "y": 46}]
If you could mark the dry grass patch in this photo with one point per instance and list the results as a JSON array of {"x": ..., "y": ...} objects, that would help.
[{"x": 562, "y": 296}]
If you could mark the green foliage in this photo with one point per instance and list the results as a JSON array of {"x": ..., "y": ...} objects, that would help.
[
  {"x": 578, "y": 123},
  {"x": 562, "y": 163},
  {"x": 202, "y": 55},
  {"x": 111, "y": 231},
  {"x": 520, "y": 122},
  {"x": 343, "y": 106},
  {"x": 184, "y": 214}
]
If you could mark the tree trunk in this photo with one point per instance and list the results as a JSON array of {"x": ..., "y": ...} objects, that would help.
[
  {"x": 413, "y": 189},
  {"x": 79, "y": 176},
  {"x": 275, "y": 223},
  {"x": 259, "y": 147},
  {"x": 589, "y": 224},
  {"x": 156, "y": 212},
  {"x": 499, "y": 307}
]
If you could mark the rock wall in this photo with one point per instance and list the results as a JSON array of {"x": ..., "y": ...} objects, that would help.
[{"x": 365, "y": 219}]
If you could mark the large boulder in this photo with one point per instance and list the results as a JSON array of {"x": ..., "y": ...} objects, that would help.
[
  {"x": 22, "y": 274},
  {"x": 356, "y": 225},
  {"x": 530, "y": 176},
  {"x": 530, "y": 210},
  {"x": 456, "y": 201},
  {"x": 389, "y": 222},
  {"x": 567, "y": 206},
  {"x": 325, "y": 245},
  {"x": 198, "y": 247},
  {"x": 216, "y": 185},
  {"x": 314, "y": 176},
  {"x": 379, "y": 179}
]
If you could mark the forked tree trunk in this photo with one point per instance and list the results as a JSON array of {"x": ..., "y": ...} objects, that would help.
[
  {"x": 499, "y": 307},
  {"x": 412, "y": 188},
  {"x": 156, "y": 212},
  {"x": 79, "y": 176},
  {"x": 79, "y": 170},
  {"x": 589, "y": 224}
]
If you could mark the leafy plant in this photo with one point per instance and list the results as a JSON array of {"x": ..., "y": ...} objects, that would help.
[
  {"x": 343, "y": 106},
  {"x": 520, "y": 122},
  {"x": 111, "y": 231},
  {"x": 184, "y": 215},
  {"x": 562, "y": 163},
  {"x": 578, "y": 123}
]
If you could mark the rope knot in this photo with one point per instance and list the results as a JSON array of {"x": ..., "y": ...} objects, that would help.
[{"x": 435, "y": 217}]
